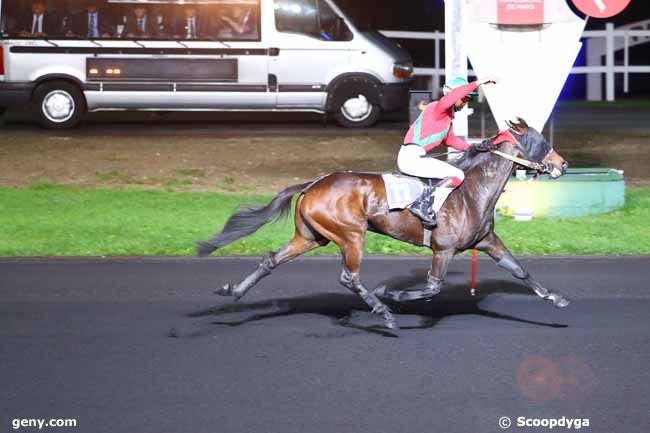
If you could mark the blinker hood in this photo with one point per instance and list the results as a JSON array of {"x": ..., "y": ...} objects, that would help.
[{"x": 533, "y": 145}]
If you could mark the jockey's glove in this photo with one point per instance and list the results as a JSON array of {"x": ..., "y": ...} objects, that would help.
[{"x": 485, "y": 146}]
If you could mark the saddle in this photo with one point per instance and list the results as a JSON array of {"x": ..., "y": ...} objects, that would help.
[{"x": 403, "y": 189}]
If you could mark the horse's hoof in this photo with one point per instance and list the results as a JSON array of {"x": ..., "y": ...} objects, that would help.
[
  {"x": 389, "y": 319},
  {"x": 225, "y": 290},
  {"x": 391, "y": 324},
  {"x": 561, "y": 302},
  {"x": 558, "y": 301}
]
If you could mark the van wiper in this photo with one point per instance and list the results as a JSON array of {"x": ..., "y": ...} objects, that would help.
[{"x": 50, "y": 42}]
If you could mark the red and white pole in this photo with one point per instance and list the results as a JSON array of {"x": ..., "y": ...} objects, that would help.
[{"x": 474, "y": 266}]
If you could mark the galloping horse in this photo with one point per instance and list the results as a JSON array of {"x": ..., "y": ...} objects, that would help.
[{"x": 342, "y": 206}]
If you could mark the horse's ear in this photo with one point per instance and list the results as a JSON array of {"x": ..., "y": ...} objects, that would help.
[
  {"x": 520, "y": 126},
  {"x": 522, "y": 123},
  {"x": 514, "y": 126}
]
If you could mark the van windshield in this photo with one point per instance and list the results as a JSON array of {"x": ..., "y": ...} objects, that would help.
[
  {"x": 360, "y": 12},
  {"x": 222, "y": 20},
  {"x": 314, "y": 18}
]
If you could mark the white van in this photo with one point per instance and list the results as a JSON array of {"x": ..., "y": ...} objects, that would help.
[{"x": 228, "y": 55}]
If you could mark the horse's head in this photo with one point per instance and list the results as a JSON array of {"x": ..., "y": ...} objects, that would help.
[{"x": 532, "y": 145}]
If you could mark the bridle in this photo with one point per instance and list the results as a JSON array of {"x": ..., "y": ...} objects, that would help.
[{"x": 508, "y": 136}]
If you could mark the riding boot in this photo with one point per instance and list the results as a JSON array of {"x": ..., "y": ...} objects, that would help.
[{"x": 421, "y": 207}]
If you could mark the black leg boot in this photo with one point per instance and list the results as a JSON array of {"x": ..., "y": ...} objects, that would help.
[{"x": 421, "y": 207}]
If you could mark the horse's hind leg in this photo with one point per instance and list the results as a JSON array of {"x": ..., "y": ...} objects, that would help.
[
  {"x": 304, "y": 239},
  {"x": 352, "y": 250},
  {"x": 297, "y": 246},
  {"x": 495, "y": 248}
]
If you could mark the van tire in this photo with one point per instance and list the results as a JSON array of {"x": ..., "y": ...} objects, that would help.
[
  {"x": 357, "y": 112},
  {"x": 58, "y": 105}
]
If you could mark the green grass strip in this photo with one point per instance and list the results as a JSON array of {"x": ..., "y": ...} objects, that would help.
[{"x": 52, "y": 220}]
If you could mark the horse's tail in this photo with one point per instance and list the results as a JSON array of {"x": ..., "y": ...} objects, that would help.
[{"x": 249, "y": 219}]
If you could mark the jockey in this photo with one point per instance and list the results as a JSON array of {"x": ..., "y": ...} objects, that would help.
[{"x": 432, "y": 128}]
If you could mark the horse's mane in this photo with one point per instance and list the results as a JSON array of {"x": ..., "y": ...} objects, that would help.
[{"x": 471, "y": 159}]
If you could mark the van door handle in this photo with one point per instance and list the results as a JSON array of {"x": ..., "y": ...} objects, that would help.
[
  {"x": 273, "y": 83},
  {"x": 274, "y": 51}
]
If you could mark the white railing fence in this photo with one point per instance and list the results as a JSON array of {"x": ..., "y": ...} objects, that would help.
[{"x": 612, "y": 36}]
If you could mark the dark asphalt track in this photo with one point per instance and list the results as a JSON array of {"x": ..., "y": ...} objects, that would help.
[{"x": 141, "y": 345}]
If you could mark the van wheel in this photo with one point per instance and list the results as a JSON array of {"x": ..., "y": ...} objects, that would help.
[
  {"x": 357, "y": 112},
  {"x": 58, "y": 105}
]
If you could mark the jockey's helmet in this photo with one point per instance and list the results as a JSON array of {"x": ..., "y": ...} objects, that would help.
[{"x": 454, "y": 83}]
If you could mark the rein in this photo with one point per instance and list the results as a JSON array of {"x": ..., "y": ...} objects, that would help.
[
  {"x": 526, "y": 163},
  {"x": 520, "y": 161}
]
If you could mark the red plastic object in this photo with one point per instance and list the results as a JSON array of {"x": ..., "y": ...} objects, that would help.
[{"x": 601, "y": 8}]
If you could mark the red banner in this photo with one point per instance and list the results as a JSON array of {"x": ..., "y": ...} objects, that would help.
[{"x": 520, "y": 12}]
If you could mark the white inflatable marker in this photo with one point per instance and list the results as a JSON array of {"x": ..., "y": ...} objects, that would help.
[{"x": 529, "y": 46}]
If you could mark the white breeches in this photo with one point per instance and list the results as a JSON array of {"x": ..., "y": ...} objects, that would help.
[{"x": 410, "y": 161}]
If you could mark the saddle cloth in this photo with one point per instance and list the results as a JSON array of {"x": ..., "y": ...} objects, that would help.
[{"x": 401, "y": 190}]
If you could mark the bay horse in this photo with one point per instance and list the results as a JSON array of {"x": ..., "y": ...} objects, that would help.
[{"x": 342, "y": 206}]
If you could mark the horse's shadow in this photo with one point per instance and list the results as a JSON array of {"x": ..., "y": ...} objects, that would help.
[{"x": 349, "y": 311}]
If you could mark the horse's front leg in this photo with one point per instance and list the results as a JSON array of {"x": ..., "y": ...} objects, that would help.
[
  {"x": 435, "y": 278},
  {"x": 494, "y": 247}
]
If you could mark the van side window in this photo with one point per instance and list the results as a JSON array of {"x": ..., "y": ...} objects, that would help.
[
  {"x": 314, "y": 18},
  {"x": 222, "y": 20},
  {"x": 31, "y": 18}
]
